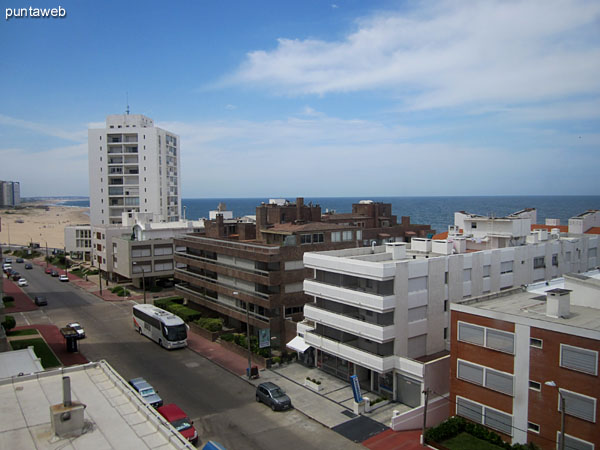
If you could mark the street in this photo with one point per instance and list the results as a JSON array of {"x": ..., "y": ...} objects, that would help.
[{"x": 221, "y": 404}]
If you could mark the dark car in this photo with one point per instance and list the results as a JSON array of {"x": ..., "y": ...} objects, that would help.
[
  {"x": 28, "y": 266},
  {"x": 15, "y": 276},
  {"x": 54, "y": 273},
  {"x": 272, "y": 395},
  {"x": 146, "y": 391},
  {"x": 40, "y": 300},
  {"x": 20, "y": 260}
]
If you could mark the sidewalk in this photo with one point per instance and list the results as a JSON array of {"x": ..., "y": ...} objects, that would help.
[
  {"x": 331, "y": 407},
  {"x": 22, "y": 301}
]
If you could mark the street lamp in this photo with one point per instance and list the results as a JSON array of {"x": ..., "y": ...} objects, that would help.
[
  {"x": 236, "y": 293},
  {"x": 562, "y": 414},
  {"x": 135, "y": 263}
]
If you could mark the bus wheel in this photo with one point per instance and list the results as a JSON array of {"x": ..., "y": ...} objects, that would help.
[
  {"x": 140, "y": 330},
  {"x": 160, "y": 342}
]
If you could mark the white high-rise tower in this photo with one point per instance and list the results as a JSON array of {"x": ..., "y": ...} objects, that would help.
[{"x": 133, "y": 166}]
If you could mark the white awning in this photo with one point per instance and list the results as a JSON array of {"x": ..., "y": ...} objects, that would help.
[{"x": 298, "y": 344}]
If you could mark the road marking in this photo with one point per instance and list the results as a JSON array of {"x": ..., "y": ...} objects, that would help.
[
  {"x": 25, "y": 319},
  {"x": 192, "y": 365}
]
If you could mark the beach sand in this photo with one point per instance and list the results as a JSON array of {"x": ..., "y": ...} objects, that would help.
[{"x": 40, "y": 222}]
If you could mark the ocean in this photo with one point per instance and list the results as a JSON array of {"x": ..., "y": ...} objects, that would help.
[{"x": 436, "y": 211}]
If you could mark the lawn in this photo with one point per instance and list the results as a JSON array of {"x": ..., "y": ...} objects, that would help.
[
  {"x": 40, "y": 348},
  {"x": 464, "y": 441},
  {"x": 22, "y": 332}
]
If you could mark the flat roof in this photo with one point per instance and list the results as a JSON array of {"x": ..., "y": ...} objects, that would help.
[
  {"x": 115, "y": 416},
  {"x": 19, "y": 362}
]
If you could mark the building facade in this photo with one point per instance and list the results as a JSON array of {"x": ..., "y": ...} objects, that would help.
[
  {"x": 516, "y": 354},
  {"x": 78, "y": 241},
  {"x": 10, "y": 193},
  {"x": 133, "y": 167},
  {"x": 377, "y": 312}
]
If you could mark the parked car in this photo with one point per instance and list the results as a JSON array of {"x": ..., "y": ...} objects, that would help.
[
  {"x": 54, "y": 273},
  {"x": 40, "y": 300},
  {"x": 48, "y": 270},
  {"x": 8, "y": 260},
  {"x": 182, "y": 423},
  {"x": 272, "y": 395},
  {"x": 78, "y": 328},
  {"x": 6, "y": 267},
  {"x": 63, "y": 277},
  {"x": 147, "y": 392},
  {"x": 22, "y": 282},
  {"x": 28, "y": 266},
  {"x": 15, "y": 276},
  {"x": 20, "y": 260}
]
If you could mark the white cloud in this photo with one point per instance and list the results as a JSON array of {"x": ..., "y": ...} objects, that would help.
[
  {"x": 446, "y": 54},
  {"x": 48, "y": 130}
]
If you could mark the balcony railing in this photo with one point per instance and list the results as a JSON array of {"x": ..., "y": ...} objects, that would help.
[
  {"x": 222, "y": 264},
  {"x": 216, "y": 283},
  {"x": 351, "y": 325},
  {"x": 222, "y": 243},
  {"x": 352, "y": 297}
]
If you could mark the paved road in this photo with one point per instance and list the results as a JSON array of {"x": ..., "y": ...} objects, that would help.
[{"x": 221, "y": 404}]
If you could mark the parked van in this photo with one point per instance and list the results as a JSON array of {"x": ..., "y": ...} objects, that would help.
[{"x": 182, "y": 423}]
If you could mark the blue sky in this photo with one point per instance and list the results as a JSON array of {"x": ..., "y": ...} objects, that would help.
[{"x": 313, "y": 98}]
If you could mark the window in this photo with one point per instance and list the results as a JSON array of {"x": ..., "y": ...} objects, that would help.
[
  {"x": 592, "y": 252},
  {"x": 498, "y": 420},
  {"x": 555, "y": 260},
  {"x": 358, "y": 235},
  {"x": 418, "y": 313},
  {"x": 539, "y": 263},
  {"x": 506, "y": 267},
  {"x": 471, "y": 410},
  {"x": 336, "y": 236},
  {"x": 417, "y": 284},
  {"x": 445, "y": 332},
  {"x": 470, "y": 333},
  {"x": 445, "y": 305},
  {"x": 500, "y": 340},
  {"x": 445, "y": 277},
  {"x": 568, "y": 257},
  {"x": 579, "y": 405},
  {"x": 535, "y": 385},
  {"x": 535, "y": 342},
  {"x": 533, "y": 427},
  {"x": 467, "y": 275},
  {"x": 305, "y": 238},
  {"x": 579, "y": 359},
  {"x": 317, "y": 237},
  {"x": 469, "y": 372},
  {"x": 347, "y": 235},
  {"x": 498, "y": 381},
  {"x": 473, "y": 224},
  {"x": 573, "y": 443},
  {"x": 486, "y": 271}
]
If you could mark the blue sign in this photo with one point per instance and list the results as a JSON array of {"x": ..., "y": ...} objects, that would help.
[
  {"x": 264, "y": 337},
  {"x": 356, "y": 389}
]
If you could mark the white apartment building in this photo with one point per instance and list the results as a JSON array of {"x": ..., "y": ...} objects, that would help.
[
  {"x": 382, "y": 313},
  {"x": 133, "y": 167},
  {"x": 78, "y": 241}
]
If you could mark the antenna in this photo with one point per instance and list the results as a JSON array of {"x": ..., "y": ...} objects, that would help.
[{"x": 127, "y": 97}]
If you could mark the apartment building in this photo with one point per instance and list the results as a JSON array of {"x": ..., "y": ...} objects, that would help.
[
  {"x": 133, "y": 167},
  {"x": 516, "y": 354},
  {"x": 382, "y": 313},
  {"x": 140, "y": 248},
  {"x": 10, "y": 193},
  {"x": 78, "y": 241},
  {"x": 378, "y": 223},
  {"x": 236, "y": 266}
]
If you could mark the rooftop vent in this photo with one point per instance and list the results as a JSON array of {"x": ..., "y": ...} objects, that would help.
[
  {"x": 558, "y": 303},
  {"x": 397, "y": 249},
  {"x": 67, "y": 417}
]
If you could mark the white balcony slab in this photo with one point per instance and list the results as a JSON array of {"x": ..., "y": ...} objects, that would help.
[{"x": 372, "y": 302}]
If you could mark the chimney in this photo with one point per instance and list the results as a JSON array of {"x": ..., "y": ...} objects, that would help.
[
  {"x": 558, "y": 303},
  {"x": 299, "y": 209},
  {"x": 397, "y": 249},
  {"x": 66, "y": 418}
]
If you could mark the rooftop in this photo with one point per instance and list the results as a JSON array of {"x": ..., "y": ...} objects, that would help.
[
  {"x": 298, "y": 228},
  {"x": 115, "y": 416}
]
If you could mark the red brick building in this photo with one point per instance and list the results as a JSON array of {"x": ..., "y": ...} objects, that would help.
[{"x": 515, "y": 354}]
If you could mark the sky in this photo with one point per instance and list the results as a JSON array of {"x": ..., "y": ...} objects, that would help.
[{"x": 311, "y": 97}]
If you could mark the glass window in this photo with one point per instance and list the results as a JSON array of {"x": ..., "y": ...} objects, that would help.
[{"x": 336, "y": 236}]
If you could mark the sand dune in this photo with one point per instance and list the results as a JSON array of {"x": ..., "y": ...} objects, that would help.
[{"x": 39, "y": 222}]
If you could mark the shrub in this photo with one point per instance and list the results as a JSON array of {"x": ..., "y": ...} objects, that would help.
[
  {"x": 186, "y": 313},
  {"x": 9, "y": 323},
  {"x": 8, "y": 298},
  {"x": 313, "y": 380},
  {"x": 228, "y": 337},
  {"x": 276, "y": 359},
  {"x": 210, "y": 324}
]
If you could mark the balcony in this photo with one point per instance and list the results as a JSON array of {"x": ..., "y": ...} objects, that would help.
[
  {"x": 371, "y": 331},
  {"x": 213, "y": 264},
  {"x": 359, "y": 299},
  {"x": 363, "y": 358}
]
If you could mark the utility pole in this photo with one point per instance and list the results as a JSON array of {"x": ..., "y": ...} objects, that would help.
[
  {"x": 426, "y": 392},
  {"x": 46, "y": 254}
]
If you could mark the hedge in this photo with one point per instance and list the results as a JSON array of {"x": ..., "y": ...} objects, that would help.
[
  {"x": 186, "y": 313},
  {"x": 210, "y": 324},
  {"x": 456, "y": 425},
  {"x": 165, "y": 302},
  {"x": 9, "y": 323}
]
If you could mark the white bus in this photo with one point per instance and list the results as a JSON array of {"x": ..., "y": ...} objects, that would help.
[{"x": 169, "y": 330}]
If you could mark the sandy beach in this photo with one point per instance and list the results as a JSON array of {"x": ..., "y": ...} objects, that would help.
[{"x": 40, "y": 222}]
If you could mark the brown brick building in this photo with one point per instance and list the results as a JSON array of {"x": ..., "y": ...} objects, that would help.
[
  {"x": 514, "y": 355},
  {"x": 234, "y": 264}
]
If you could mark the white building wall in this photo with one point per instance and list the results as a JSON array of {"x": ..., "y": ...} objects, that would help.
[{"x": 521, "y": 384}]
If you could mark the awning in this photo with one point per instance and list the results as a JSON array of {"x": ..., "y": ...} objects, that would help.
[{"x": 298, "y": 344}]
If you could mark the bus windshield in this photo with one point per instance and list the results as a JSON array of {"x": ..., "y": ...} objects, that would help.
[{"x": 175, "y": 332}]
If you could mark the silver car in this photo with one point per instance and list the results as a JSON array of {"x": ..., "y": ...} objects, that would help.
[
  {"x": 272, "y": 395},
  {"x": 147, "y": 392}
]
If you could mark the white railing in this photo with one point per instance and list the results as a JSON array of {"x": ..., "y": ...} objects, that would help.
[{"x": 366, "y": 300}]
